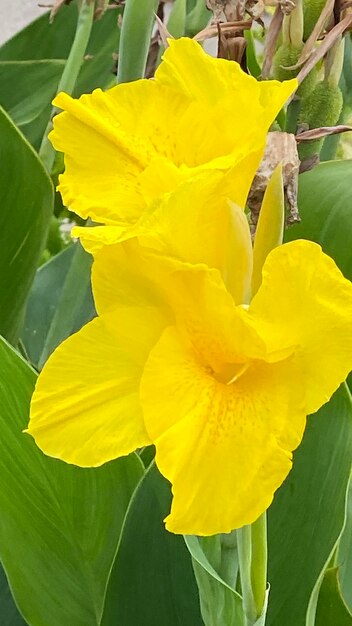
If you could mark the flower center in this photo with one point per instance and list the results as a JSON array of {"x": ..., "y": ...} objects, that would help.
[{"x": 231, "y": 372}]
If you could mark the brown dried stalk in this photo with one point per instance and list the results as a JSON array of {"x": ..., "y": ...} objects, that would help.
[
  {"x": 323, "y": 131},
  {"x": 326, "y": 44},
  {"x": 271, "y": 40}
]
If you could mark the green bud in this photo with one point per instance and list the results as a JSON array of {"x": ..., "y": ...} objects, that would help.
[
  {"x": 322, "y": 107},
  {"x": 286, "y": 56},
  {"x": 311, "y": 13}
]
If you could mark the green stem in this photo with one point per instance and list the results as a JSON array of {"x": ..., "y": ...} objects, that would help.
[
  {"x": 244, "y": 542},
  {"x": 70, "y": 73},
  {"x": 259, "y": 562},
  {"x": 137, "y": 23},
  {"x": 252, "y": 554}
]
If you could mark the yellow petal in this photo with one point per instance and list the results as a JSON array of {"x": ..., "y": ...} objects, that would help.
[
  {"x": 270, "y": 227},
  {"x": 121, "y": 277},
  {"x": 127, "y": 146},
  {"x": 196, "y": 223},
  {"x": 85, "y": 408},
  {"x": 194, "y": 295},
  {"x": 224, "y": 448},
  {"x": 216, "y": 79},
  {"x": 109, "y": 139},
  {"x": 305, "y": 301}
]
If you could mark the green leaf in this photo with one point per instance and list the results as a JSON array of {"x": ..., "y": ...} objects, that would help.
[
  {"x": 331, "y": 610},
  {"x": 41, "y": 40},
  {"x": 73, "y": 305},
  {"x": 197, "y": 18},
  {"x": 43, "y": 302},
  {"x": 344, "y": 556},
  {"x": 152, "y": 581},
  {"x": 26, "y": 204},
  {"x": 36, "y": 84},
  {"x": 10, "y": 615},
  {"x": 308, "y": 511},
  {"x": 59, "y": 524},
  {"x": 324, "y": 201},
  {"x": 220, "y": 602}
]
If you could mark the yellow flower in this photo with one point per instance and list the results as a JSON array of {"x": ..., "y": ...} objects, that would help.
[
  {"x": 127, "y": 146},
  {"x": 175, "y": 359}
]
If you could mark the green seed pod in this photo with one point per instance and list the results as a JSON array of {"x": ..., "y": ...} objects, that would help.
[
  {"x": 286, "y": 56},
  {"x": 322, "y": 107},
  {"x": 311, "y": 13}
]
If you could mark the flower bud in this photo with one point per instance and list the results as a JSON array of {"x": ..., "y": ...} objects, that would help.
[
  {"x": 286, "y": 56},
  {"x": 322, "y": 107},
  {"x": 311, "y": 13}
]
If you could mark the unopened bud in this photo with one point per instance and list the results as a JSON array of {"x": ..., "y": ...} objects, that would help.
[
  {"x": 311, "y": 13},
  {"x": 322, "y": 107},
  {"x": 286, "y": 56},
  {"x": 292, "y": 27}
]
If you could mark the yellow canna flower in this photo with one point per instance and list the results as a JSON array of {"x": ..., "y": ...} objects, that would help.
[
  {"x": 177, "y": 360},
  {"x": 127, "y": 146}
]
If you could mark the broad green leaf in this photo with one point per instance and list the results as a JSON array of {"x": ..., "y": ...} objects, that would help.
[
  {"x": 41, "y": 40},
  {"x": 59, "y": 524},
  {"x": 152, "y": 581},
  {"x": 324, "y": 202},
  {"x": 344, "y": 556},
  {"x": 36, "y": 84},
  {"x": 26, "y": 204},
  {"x": 331, "y": 610},
  {"x": 9, "y": 614},
  {"x": 308, "y": 511},
  {"x": 73, "y": 305},
  {"x": 44, "y": 299},
  {"x": 220, "y": 602}
]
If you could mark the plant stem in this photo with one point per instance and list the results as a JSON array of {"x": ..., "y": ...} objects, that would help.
[
  {"x": 137, "y": 23},
  {"x": 259, "y": 562},
  {"x": 252, "y": 553},
  {"x": 70, "y": 73},
  {"x": 244, "y": 542}
]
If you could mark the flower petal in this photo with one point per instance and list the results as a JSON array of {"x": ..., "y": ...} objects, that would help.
[
  {"x": 194, "y": 295},
  {"x": 217, "y": 79},
  {"x": 109, "y": 139},
  {"x": 305, "y": 301},
  {"x": 137, "y": 141},
  {"x": 224, "y": 448},
  {"x": 85, "y": 408}
]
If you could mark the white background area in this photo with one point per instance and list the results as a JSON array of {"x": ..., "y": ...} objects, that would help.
[{"x": 15, "y": 14}]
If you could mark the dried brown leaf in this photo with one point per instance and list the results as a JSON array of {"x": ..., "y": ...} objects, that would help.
[
  {"x": 271, "y": 40},
  {"x": 326, "y": 44},
  {"x": 323, "y": 131},
  {"x": 226, "y": 27},
  {"x": 315, "y": 34}
]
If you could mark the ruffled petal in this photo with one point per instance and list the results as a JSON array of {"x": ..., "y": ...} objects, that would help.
[
  {"x": 305, "y": 301},
  {"x": 85, "y": 408},
  {"x": 131, "y": 144},
  {"x": 224, "y": 448}
]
